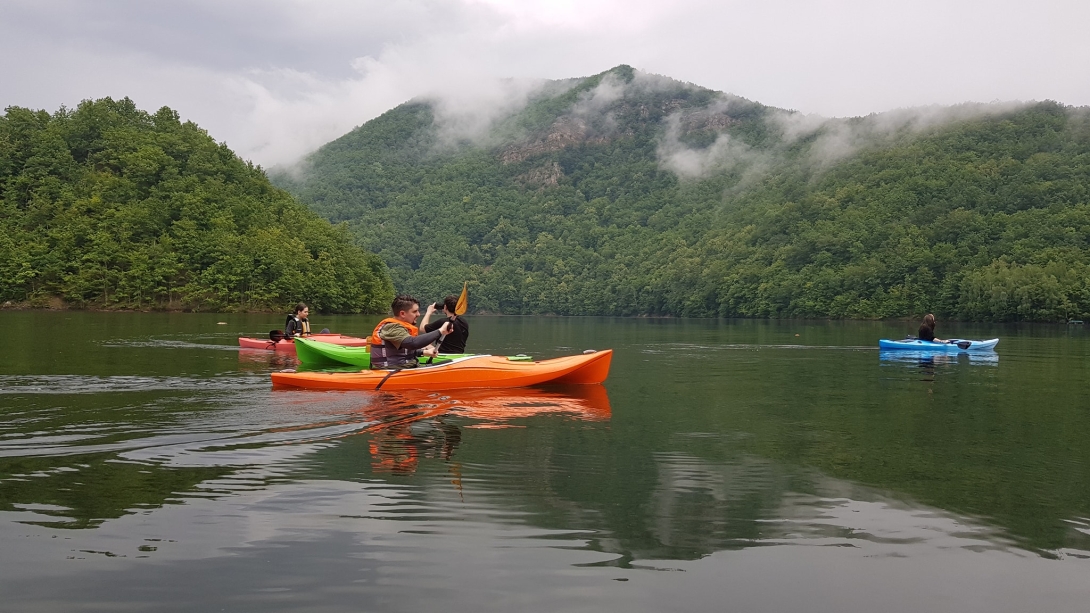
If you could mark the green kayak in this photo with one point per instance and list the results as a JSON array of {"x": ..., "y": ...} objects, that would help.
[{"x": 317, "y": 353}]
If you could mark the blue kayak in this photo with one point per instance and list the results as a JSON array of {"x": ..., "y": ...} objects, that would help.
[{"x": 953, "y": 345}]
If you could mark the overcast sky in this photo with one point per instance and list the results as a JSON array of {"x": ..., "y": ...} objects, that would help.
[{"x": 277, "y": 78}]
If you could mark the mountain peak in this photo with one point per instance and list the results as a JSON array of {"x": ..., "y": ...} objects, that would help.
[{"x": 630, "y": 193}]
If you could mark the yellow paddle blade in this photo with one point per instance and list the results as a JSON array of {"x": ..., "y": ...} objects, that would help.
[{"x": 463, "y": 301}]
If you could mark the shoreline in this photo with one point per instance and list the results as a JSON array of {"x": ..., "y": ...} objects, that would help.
[{"x": 23, "y": 307}]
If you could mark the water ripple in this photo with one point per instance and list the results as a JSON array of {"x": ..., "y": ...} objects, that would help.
[
  {"x": 91, "y": 384},
  {"x": 168, "y": 344}
]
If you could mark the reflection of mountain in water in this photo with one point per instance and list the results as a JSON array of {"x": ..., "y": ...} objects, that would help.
[{"x": 699, "y": 507}]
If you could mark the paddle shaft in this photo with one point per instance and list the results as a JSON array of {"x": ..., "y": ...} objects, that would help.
[{"x": 439, "y": 342}]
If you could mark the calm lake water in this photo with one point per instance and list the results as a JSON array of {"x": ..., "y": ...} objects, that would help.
[{"x": 146, "y": 464}]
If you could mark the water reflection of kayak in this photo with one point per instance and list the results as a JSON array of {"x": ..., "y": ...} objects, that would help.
[
  {"x": 588, "y": 402},
  {"x": 473, "y": 371},
  {"x": 415, "y": 424},
  {"x": 933, "y": 357},
  {"x": 954, "y": 345}
]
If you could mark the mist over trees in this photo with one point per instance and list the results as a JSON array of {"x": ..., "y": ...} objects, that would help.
[
  {"x": 107, "y": 206},
  {"x": 631, "y": 194}
]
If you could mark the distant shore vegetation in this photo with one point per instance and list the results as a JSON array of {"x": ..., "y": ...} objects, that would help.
[{"x": 106, "y": 206}]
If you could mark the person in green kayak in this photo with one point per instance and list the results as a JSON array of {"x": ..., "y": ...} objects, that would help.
[
  {"x": 455, "y": 342},
  {"x": 927, "y": 330},
  {"x": 297, "y": 323},
  {"x": 396, "y": 342}
]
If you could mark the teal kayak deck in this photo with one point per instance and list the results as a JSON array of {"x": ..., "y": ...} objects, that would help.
[{"x": 953, "y": 345}]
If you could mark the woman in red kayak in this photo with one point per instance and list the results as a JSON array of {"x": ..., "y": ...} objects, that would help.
[{"x": 297, "y": 323}]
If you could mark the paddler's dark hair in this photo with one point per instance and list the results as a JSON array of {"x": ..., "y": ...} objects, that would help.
[
  {"x": 402, "y": 302},
  {"x": 299, "y": 308},
  {"x": 929, "y": 321},
  {"x": 450, "y": 303}
]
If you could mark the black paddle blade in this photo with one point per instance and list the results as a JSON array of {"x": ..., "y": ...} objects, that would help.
[
  {"x": 276, "y": 335},
  {"x": 963, "y": 344}
]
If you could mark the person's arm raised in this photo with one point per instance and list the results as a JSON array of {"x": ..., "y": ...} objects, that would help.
[{"x": 427, "y": 315}]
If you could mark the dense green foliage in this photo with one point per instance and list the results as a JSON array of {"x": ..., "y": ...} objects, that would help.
[
  {"x": 108, "y": 206},
  {"x": 576, "y": 205}
]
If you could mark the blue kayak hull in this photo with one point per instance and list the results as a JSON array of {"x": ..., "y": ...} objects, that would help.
[{"x": 914, "y": 344}]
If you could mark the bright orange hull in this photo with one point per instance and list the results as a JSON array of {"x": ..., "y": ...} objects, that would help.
[
  {"x": 287, "y": 346},
  {"x": 475, "y": 371}
]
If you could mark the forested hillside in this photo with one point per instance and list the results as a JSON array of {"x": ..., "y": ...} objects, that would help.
[
  {"x": 107, "y": 206},
  {"x": 631, "y": 194}
]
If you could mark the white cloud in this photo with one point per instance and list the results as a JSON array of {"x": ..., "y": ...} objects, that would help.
[
  {"x": 276, "y": 78},
  {"x": 836, "y": 139},
  {"x": 833, "y": 139}
]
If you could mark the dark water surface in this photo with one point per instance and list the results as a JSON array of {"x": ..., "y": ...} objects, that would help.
[{"x": 146, "y": 464}]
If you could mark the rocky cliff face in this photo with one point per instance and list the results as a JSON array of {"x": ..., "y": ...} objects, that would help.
[
  {"x": 547, "y": 175},
  {"x": 565, "y": 132},
  {"x": 616, "y": 108}
]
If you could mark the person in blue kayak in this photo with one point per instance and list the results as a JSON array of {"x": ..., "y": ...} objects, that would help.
[
  {"x": 396, "y": 342},
  {"x": 455, "y": 342},
  {"x": 297, "y": 323},
  {"x": 927, "y": 330}
]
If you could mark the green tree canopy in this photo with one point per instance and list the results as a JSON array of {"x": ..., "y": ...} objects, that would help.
[{"x": 109, "y": 206}]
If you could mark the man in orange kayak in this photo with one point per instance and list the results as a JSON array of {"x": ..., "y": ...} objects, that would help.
[{"x": 396, "y": 341}]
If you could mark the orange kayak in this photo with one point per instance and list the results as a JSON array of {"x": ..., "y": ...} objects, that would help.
[
  {"x": 471, "y": 371},
  {"x": 288, "y": 346}
]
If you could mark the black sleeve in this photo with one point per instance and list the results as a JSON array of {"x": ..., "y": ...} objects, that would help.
[
  {"x": 435, "y": 325},
  {"x": 418, "y": 342},
  {"x": 290, "y": 329},
  {"x": 455, "y": 342}
]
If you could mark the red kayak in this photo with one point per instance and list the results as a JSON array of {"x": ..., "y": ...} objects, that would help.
[{"x": 287, "y": 346}]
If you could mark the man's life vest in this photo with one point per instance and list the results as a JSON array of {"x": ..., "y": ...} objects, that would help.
[{"x": 383, "y": 353}]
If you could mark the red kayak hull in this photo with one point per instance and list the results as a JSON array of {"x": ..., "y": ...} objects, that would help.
[{"x": 286, "y": 346}]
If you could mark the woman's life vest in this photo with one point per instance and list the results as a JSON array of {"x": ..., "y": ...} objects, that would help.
[
  {"x": 295, "y": 326},
  {"x": 384, "y": 354}
]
